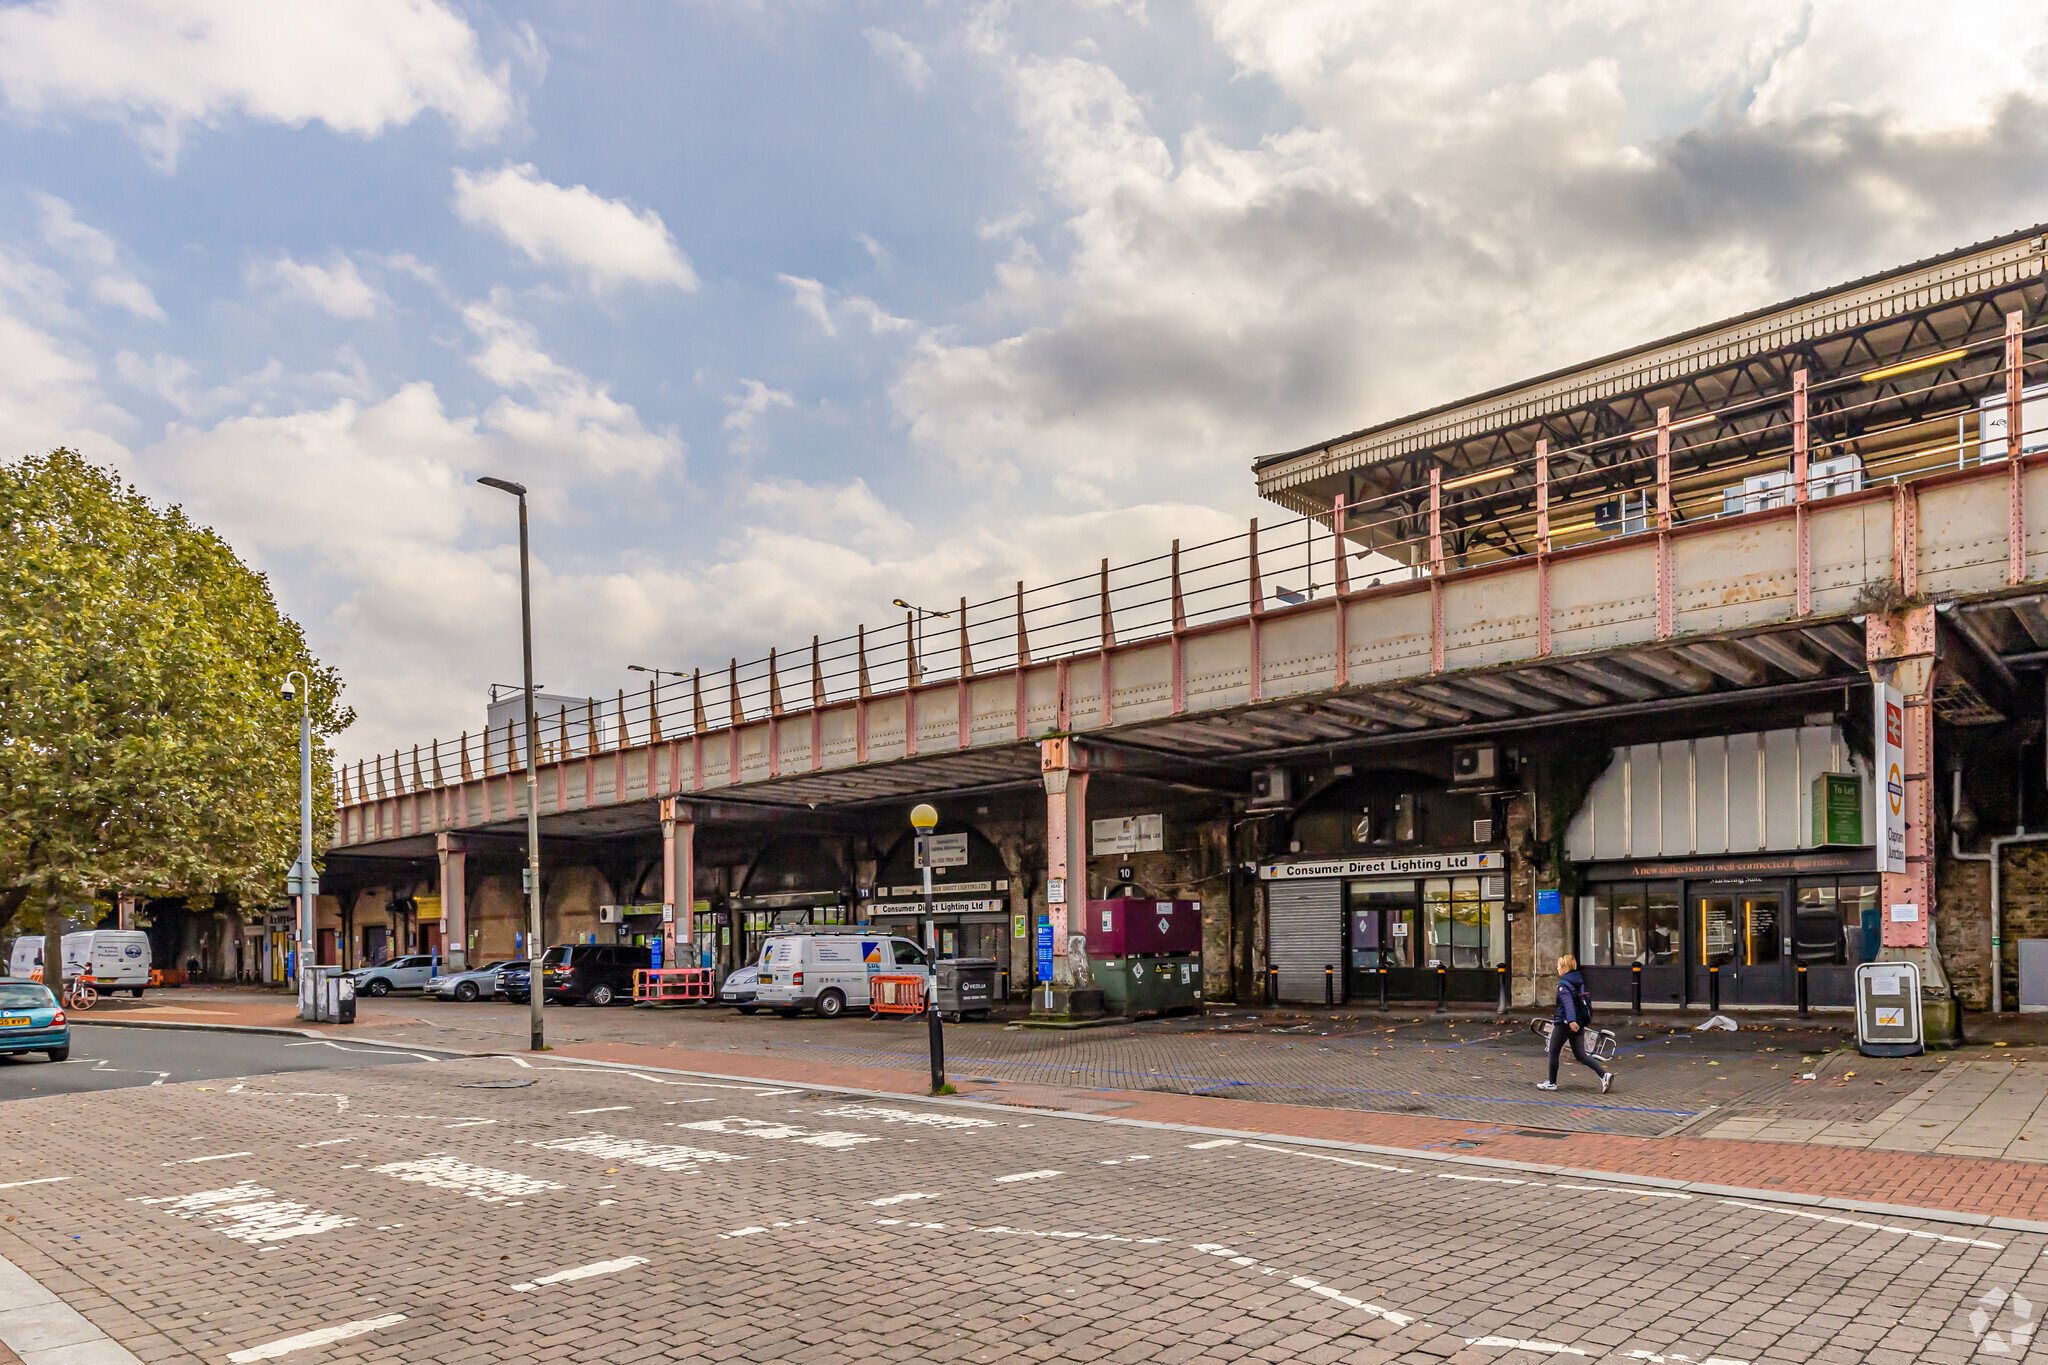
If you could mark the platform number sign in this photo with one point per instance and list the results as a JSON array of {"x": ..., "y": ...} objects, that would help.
[{"x": 1891, "y": 775}]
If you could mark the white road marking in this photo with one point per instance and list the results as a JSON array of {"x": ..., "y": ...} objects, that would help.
[
  {"x": 53, "y": 1179},
  {"x": 607, "y": 1109},
  {"x": 1656, "y": 1359},
  {"x": 1399, "y": 1319},
  {"x": 1326, "y": 1156},
  {"x": 875, "y": 1111},
  {"x": 247, "y": 1213},
  {"x": 762, "y": 1128},
  {"x": 469, "y": 1123},
  {"x": 329, "y": 1142},
  {"x": 893, "y": 1199},
  {"x": 581, "y": 1272},
  {"x": 195, "y": 1160},
  {"x": 474, "y": 1182},
  {"x": 638, "y": 1152},
  {"x": 326, "y": 1336},
  {"x": 739, "y": 1232},
  {"x": 1027, "y": 1175},
  {"x": 1212, "y": 1142},
  {"x": 1868, "y": 1227},
  {"x": 242, "y": 1088},
  {"x": 1622, "y": 1189},
  {"x": 1517, "y": 1344},
  {"x": 1482, "y": 1179}
]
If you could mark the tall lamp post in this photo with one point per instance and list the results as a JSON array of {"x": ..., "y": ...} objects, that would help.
[
  {"x": 535, "y": 987},
  {"x": 923, "y": 819},
  {"x": 304, "y": 884},
  {"x": 921, "y": 613}
]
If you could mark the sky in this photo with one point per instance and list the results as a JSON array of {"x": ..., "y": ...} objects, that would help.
[{"x": 789, "y": 308}]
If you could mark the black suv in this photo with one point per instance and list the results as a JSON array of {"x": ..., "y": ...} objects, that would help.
[{"x": 591, "y": 973}]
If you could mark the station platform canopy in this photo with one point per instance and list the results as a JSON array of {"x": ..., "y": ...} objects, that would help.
[{"x": 1899, "y": 369}]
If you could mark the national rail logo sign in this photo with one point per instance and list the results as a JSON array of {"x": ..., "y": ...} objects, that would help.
[{"x": 1891, "y": 764}]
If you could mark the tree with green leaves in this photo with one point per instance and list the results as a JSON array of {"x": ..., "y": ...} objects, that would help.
[{"x": 144, "y": 744}]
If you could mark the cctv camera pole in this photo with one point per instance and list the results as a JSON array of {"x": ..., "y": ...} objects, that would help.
[{"x": 535, "y": 986}]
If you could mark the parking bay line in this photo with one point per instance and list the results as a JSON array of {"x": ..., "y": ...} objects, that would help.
[
  {"x": 581, "y": 1272},
  {"x": 325, "y": 1336},
  {"x": 44, "y": 1180},
  {"x": 195, "y": 1160}
]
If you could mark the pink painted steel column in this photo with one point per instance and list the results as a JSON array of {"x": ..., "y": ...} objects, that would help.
[
  {"x": 454, "y": 899},
  {"x": 1543, "y": 547},
  {"x": 2016, "y": 501},
  {"x": 1258, "y": 608},
  {"x": 1023, "y": 662},
  {"x": 1801, "y": 494},
  {"x": 1341, "y": 571},
  {"x": 1064, "y": 766},
  {"x": 1665, "y": 613},
  {"x": 678, "y": 880},
  {"x": 1436, "y": 569},
  {"x": 965, "y": 725},
  {"x": 1108, "y": 644},
  {"x": 1180, "y": 655},
  {"x": 1906, "y": 539}
]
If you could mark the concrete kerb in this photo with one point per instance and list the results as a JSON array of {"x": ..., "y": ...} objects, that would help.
[{"x": 1791, "y": 1198}]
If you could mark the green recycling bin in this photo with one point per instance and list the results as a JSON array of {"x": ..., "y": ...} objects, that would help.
[{"x": 1136, "y": 986}]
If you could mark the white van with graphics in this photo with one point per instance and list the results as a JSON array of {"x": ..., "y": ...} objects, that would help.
[
  {"x": 828, "y": 972},
  {"x": 119, "y": 959}
]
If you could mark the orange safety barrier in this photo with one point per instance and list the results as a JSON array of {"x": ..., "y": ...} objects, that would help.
[
  {"x": 896, "y": 994},
  {"x": 655, "y": 985}
]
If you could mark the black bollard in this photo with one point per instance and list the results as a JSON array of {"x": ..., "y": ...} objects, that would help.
[
  {"x": 1802, "y": 992},
  {"x": 1272, "y": 985},
  {"x": 1382, "y": 973},
  {"x": 937, "y": 1033},
  {"x": 1329, "y": 985},
  {"x": 1635, "y": 989},
  {"x": 1714, "y": 988},
  {"x": 1501, "y": 972},
  {"x": 1443, "y": 987},
  {"x": 1005, "y": 974}
]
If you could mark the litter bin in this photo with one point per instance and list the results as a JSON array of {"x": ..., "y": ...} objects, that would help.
[
  {"x": 964, "y": 986},
  {"x": 333, "y": 997}
]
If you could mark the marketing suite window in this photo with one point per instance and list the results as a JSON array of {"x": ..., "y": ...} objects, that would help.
[{"x": 1622, "y": 924}]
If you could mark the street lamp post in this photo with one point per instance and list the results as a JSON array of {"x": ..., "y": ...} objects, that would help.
[
  {"x": 922, "y": 819},
  {"x": 921, "y": 613},
  {"x": 535, "y": 949},
  {"x": 303, "y": 885}
]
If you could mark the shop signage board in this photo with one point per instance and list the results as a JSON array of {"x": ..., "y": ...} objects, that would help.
[
  {"x": 1549, "y": 902},
  {"x": 1888, "y": 1010},
  {"x": 1890, "y": 722},
  {"x": 1418, "y": 864},
  {"x": 1837, "y": 809},
  {"x": 1130, "y": 834}
]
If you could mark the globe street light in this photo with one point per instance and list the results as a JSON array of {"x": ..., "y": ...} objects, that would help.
[
  {"x": 922, "y": 819},
  {"x": 304, "y": 886},
  {"x": 535, "y": 988}
]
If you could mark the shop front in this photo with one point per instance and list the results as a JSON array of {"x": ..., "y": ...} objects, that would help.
[
  {"x": 1333, "y": 927},
  {"x": 970, "y": 910},
  {"x": 1741, "y": 857}
]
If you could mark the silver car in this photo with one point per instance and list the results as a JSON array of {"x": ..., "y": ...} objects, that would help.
[
  {"x": 478, "y": 983},
  {"x": 738, "y": 990}
]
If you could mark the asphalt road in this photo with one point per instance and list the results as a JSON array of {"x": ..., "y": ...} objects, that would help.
[
  {"x": 537, "y": 1211},
  {"x": 105, "y": 1058}
]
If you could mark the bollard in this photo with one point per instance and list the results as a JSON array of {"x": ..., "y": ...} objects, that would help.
[
  {"x": 1501, "y": 972},
  {"x": 1443, "y": 987},
  {"x": 1004, "y": 974},
  {"x": 1272, "y": 985},
  {"x": 1382, "y": 973},
  {"x": 1329, "y": 985},
  {"x": 936, "y": 1031},
  {"x": 1714, "y": 987},
  {"x": 1802, "y": 992},
  {"x": 1635, "y": 989}
]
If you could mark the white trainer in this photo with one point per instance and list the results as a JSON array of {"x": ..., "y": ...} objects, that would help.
[
  {"x": 1546, "y": 1085},
  {"x": 1607, "y": 1082}
]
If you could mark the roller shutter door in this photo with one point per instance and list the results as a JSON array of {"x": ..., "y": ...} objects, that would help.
[{"x": 1305, "y": 933}]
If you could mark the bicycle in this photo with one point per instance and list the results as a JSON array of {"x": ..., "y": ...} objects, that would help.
[{"x": 80, "y": 994}]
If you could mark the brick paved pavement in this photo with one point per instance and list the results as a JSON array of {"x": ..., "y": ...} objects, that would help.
[{"x": 447, "y": 1213}]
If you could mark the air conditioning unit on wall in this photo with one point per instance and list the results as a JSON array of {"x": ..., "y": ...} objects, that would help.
[
  {"x": 1475, "y": 763},
  {"x": 1271, "y": 787},
  {"x": 609, "y": 914}
]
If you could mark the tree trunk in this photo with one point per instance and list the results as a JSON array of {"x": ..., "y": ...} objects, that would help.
[
  {"x": 11, "y": 900},
  {"x": 53, "y": 943}
]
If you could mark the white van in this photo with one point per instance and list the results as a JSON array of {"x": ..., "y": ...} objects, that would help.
[
  {"x": 118, "y": 958},
  {"x": 828, "y": 972}
]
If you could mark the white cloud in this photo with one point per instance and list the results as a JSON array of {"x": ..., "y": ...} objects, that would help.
[
  {"x": 359, "y": 66},
  {"x": 816, "y": 302},
  {"x": 337, "y": 287},
  {"x": 902, "y": 54},
  {"x": 575, "y": 227},
  {"x": 746, "y": 408},
  {"x": 847, "y": 513},
  {"x": 809, "y": 297},
  {"x": 171, "y": 379},
  {"x": 90, "y": 247},
  {"x": 569, "y": 420}
]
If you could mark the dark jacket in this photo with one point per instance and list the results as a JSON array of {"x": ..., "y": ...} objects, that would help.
[{"x": 1568, "y": 987}]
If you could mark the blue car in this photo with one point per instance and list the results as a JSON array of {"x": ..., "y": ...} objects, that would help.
[{"x": 31, "y": 1022}]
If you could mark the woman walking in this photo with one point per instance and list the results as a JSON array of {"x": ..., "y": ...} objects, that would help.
[{"x": 1573, "y": 1016}]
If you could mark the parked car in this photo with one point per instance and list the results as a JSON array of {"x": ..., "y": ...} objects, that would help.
[
  {"x": 31, "y": 1022},
  {"x": 513, "y": 980},
  {"x": 591, "y": 973},
  {"x": 828, "y": 972},
  {"x": 738, "y": 990},
  {"x": 478, "y": 983},
  {"x": 119, "y": 958},
  {"x": 400, "y": 974}
]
